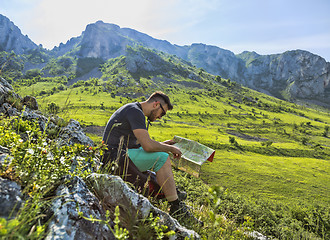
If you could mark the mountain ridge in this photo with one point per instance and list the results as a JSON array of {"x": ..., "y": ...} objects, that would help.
[
  {"x": 290, "y": 75},
  {"x": 12, "y": 39}
]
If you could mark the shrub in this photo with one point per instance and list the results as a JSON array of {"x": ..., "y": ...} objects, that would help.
[
  {"x": 233, "y": 141},
  {"x": 53, "y": 108},
  {"x": 40, "y": 165},
  {"x": 267, "y": 143},
  {"x": 32, "y": 73},
  {"x": 304, "y": 140}
]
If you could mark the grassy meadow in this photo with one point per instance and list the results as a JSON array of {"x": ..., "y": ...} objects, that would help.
[
  {"x": 294, "y": 167},
  {"x": 272, "y": 157}
]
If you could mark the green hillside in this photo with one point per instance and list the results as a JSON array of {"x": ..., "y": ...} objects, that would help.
[{"x": 272, "y": 157}]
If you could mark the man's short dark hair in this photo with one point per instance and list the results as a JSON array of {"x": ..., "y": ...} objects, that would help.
[{"x": 158, "y": 96}]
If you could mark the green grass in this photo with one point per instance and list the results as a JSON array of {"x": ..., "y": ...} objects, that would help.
[
  {"x": 293, "y": 170},
  {"x": 288, "y": 179},
  {"x": 36, "y": 88},
  {"x": 285, "y": 171},
  {"x": 281, "y": 190}
]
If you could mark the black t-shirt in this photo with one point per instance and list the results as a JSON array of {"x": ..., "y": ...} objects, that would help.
[{"x": 122, "y": 123}]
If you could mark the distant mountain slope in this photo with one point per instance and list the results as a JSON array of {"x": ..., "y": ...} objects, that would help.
[
  {"x": 11, "y": 38},
  {"x": 290, "y": 75}
]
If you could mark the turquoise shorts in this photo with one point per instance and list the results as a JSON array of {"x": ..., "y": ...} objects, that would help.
[{"x": 147, "y": 160}]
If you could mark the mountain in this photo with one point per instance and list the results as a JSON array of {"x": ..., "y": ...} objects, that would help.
[
  {"x": 297, "y": 74},
  {"x": 290, "y": 75},
  {"x": 11, "y": 38}
]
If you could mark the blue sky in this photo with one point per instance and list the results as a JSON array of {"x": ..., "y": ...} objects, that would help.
[{"x": 264, "y": 26}]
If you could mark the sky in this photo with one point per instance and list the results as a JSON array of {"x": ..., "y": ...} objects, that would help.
[{"x": 263, "y": 26}]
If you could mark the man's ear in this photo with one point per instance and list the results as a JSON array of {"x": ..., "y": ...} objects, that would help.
[{"x": 154, "y": 104}]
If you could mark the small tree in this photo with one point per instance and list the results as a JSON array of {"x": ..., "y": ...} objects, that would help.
[
  {"x": 32, "y": 73},
  {"x": 218, "y": 79},
  {"x": 233, "y": 141},
  {"x": 267, "y": 143},
  {"x": 53, "y": 108},
  {"x": 326, "y": 131},
  {"x": 304, "y": 140}
]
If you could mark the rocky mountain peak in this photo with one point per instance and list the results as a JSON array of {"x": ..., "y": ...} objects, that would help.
[
  {"x": 102, "y": 40},
  {"x": 298, "y": 73},
  {"x": 11, "y": 38}
]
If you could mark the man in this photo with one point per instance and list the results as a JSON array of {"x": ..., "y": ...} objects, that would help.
[{"x": 126, "y": 129}]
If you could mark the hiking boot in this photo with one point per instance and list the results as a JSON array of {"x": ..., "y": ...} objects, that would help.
[
  {"x": 182, "y": 195},
  {"x": 181, "y": 213}
]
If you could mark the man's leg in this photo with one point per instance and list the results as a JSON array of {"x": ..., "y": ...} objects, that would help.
[
  {"x": 165, "y": 179},
  {"x": 160, "y": 162}
]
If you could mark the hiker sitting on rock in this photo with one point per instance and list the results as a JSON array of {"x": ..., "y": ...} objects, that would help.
[{"x": 126, "y": 134}]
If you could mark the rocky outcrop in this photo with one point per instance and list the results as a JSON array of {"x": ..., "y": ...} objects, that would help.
[
  {"x": 10, "y": 192},
  {"x": 102, "y": 40},
  {"x": 68, "y": 135},
  {"x": 300, "y": 73},
  {"x": 112, "y": 191},
  {"x": 74, "y": 133},
  {"x": 11, "y": 38},
  {"x": 70, "y": 199},
  {"x": 75, "y": 201},
  {"x": 10, "y": 198},
  {"x": 216, "y": 61},
  {"x": 67, "y": 47},
  {"x": 6, "y": 91}
]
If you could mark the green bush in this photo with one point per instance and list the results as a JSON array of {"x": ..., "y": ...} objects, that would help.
[
  {"x": 32, "y": 73},
  {"x": 53, "y": 108},
  {"x": 38, "y": 164}
]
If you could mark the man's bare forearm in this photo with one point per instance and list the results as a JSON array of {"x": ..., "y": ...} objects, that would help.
[{"x": 154, "y": 146}]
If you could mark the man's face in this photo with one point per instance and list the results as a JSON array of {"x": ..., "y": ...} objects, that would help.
[{"x": 158, "y": 112}]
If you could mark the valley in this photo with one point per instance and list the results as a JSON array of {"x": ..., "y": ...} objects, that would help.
[{"x": 267, "y": 117}]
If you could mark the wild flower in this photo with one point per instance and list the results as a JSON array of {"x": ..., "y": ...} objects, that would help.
[
  {"x": 30, "y": 151},
  {"x": 62, "y": 160}
]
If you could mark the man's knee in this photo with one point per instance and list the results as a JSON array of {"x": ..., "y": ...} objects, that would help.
[{"x": 167, "y": 164}]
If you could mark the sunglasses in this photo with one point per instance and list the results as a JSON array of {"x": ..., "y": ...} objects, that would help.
[{"x": 163, "y": 113}]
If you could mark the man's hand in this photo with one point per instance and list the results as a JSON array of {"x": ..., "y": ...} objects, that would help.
[
  {"x": 150, "y": 145},
  {"x": 176, "y": 152},
  {"x": 169, "y": 142}
]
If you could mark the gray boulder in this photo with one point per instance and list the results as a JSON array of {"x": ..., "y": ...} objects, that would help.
[
  {"x": 10, "y": 198},
  {"x": 5, "y": 159},
  {"x": 8, "y": 110},
  {"x": 30, "y": 102},
  {"x": 66, "y": 223},
  {"x": 113, "y": 191},
  {"x": 6, "y": 91},
  {"x": 74, "y": 133}
]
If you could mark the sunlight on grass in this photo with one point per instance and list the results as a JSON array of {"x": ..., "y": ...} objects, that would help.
[{"x": 302, "y": 179}]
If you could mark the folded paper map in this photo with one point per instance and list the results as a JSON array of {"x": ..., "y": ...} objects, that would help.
[{"x": 193, "y": 156}]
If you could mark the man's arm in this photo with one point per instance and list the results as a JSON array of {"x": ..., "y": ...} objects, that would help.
[{"x": 150, "y": 145}]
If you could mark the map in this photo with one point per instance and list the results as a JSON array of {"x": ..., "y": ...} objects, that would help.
[{"x": 193, "y": 156}]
